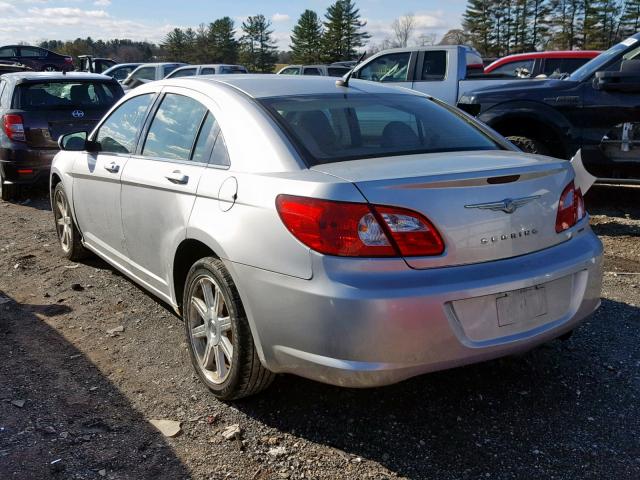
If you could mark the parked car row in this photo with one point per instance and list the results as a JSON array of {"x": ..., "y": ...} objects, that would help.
[
  {"x": 595, "y": 109},
  {"x": 364, "y": 196}
]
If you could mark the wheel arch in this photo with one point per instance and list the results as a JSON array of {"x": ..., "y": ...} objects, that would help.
[
  {"x": 196, "y": 246},
  {"x": 533, "y": 120}
]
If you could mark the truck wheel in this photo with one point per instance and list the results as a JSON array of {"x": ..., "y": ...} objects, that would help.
[
  {"x": 7, "y": 192},
  {"x": 529, "y": 145},
  {"x": 220, "y": 341}
]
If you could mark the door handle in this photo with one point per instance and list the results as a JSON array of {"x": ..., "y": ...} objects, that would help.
[
  {"x": 177, "y": 177},
  {"x": 113, "y": 167}
]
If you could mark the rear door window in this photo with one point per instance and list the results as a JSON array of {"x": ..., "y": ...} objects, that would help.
[
  {"x": 434, "y": 65},
  {"x": 31, "y": 52},
  {"x": 312, "y": 71},
  {"x": 118, "y": 134},
  {"x": 55, "y": 95},
  {"x": 174, "y": 127},
  {"x": 208, "y": 71}
]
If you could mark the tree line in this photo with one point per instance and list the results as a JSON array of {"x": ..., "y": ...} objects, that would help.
[
  {"x": 123, "y": 50},
  {"x": 501, "y": 27},
  {"x": 337, "y": 37}
]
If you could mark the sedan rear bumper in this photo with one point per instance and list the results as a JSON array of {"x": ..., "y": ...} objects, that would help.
[{"x": 371, "y": 322}]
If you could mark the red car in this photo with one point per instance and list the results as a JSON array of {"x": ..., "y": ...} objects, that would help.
[{"x": 541, "y": 63}]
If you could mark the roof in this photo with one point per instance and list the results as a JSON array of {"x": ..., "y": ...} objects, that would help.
[
  {"x": 44, "y": 76},
  {"x": 553, "y": 54},
  {"x": 210, "y": 65},
  {"x": 273, "y": 85}
]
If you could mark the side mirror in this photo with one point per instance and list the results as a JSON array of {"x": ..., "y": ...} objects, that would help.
[
  {"x": 627, "y": 80},
  {"x": 77, "y": 142}
]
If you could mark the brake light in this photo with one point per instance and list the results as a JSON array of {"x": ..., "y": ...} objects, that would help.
[
  {"x": 14, "y": 127},
  {"x": 68, "y": 60},
  {"x": 358, "y": 229},
  {"x": 570, "y": 208}
]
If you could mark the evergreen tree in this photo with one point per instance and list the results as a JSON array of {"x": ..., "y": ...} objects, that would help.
[
  {"x": 306, "y": 39},
  {"x": 344, "y": 32},
  {"x": 258, "y": 50},
  {"x": 479, "y": 23},
  {"x": 630, "y": 20},
  {"x": 175, "y": 45},
  {"x": 223, "y": 46}
]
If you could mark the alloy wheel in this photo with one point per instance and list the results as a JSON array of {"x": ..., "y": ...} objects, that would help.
[
  {"x": 63, "y": 221},
  {"x": 210, "y": 329}
]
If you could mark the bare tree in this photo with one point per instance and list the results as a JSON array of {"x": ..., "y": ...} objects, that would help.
[
  {"x": 426, "y": 39},
  {"x": 454, "y": 37},
  {"x": 403, "y": 28}
]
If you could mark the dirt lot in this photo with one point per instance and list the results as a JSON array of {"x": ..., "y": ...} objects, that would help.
[{"x": 562, "y": 411}]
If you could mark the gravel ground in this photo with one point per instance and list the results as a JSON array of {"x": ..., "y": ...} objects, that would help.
[{"x": 76, "y": 400}]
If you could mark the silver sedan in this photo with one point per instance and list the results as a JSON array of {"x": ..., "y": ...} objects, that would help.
[{"x": 354, "y": 234}]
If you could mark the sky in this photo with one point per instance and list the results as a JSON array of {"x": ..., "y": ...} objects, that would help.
[{"x": 32, "y": 21}]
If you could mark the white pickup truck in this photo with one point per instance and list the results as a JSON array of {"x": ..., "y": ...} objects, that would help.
[{"x": 442, "y": 71}]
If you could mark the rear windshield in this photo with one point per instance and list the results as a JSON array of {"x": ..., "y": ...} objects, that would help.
[
  {"x": 334, "y": 128},
  {"x": 66, "y": 94}
]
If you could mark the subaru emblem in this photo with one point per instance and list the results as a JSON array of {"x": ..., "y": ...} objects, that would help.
[{"x": 77, "y": 114}]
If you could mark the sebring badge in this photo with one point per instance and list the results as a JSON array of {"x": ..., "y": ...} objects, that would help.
[
  {"x": 508, "y": 205},
  {"x": 77, "y": 114}
]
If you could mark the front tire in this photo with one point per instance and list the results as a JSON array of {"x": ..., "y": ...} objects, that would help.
[
  {"x": 218, "y": 335},
  {"x": 68, "y": 234},
  {"x": 530, "y": 145}
]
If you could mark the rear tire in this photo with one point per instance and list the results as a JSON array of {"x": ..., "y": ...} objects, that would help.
[
  {"x": 530, "y": 145},
  {"x": 68, "y": 234},
  {"x": 7, "y": 191},
  {"x": 218, "y": 335},
  {"x": 49, "y": 68}
]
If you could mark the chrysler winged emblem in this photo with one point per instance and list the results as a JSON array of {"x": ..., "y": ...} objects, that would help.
[{"x": 508, "y": 205}]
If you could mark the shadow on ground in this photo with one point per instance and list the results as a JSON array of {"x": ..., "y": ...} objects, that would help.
[
  {"x": 71, "y": 412},
  {"x": 560, "y": 411},
  {"x": 614, "y": 201}
]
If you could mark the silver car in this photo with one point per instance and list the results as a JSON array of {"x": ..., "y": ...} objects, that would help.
[{"x": 357, "y": 235}]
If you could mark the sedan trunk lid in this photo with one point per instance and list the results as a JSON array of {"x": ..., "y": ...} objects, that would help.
[{"x": 486, "y": 205}]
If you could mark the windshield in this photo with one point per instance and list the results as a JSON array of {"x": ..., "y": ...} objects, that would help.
[
  {"x": 336, "y": 127},
  {"x": 601, "y": 60},
  {"x": 66, "y": 94}
]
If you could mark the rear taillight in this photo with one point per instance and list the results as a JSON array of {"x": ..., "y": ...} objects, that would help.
[
  {"x": 358, "y": 229},
  {"x": 14, "y": 127},
  {"x": 570, "y": 208},
  {"x": 68, "y": 60}
]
